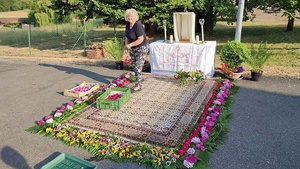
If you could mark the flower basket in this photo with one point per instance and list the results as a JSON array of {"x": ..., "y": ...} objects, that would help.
[
  {"x": 81, "y": 90},
  {"x": 104, "y": 103}
]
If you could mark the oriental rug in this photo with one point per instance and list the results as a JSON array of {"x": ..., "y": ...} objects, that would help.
[{"x": 160, "y": 114}]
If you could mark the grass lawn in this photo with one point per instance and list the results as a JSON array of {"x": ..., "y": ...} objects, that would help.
[{"x": 66, "y": 41}]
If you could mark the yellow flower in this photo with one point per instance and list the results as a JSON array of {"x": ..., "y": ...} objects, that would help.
[
  {"x": 103, "y": 151},
  {"x": 129, "y": 156},
  {"x": 127, "y": 149},
  {"x": 157, "y": 160},
  {"x": 61, "y": 134},
  {"x": 115, "y": 150},
  {"x": 49, "y": 130},
  {"x": 72, "y": 142},
  {"x": 162, "y": 156},
  {"x": 120, "y": 154}
]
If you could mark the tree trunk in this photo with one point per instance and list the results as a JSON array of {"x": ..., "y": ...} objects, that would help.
[
  {"x": 151, "y": 25},
  {"x": 209, "y": 20},
  {"x": 290, "y": 25}
]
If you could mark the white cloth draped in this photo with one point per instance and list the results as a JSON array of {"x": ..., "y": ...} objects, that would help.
[{"x": 166, "y": 59}]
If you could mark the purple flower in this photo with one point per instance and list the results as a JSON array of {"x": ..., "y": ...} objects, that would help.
[
  {"x": 241, "y": 69},
  {"x": 204, "y": 138},
  {"x": 191, "y": 151},
  {"x": 210, "y": 123},
  {"x": 195, "y": 140},
  {"x": 200, "y": 147},
  {"x": 188, "y": 164},
  {"x": 217, "y": 102},
  {"x": 192, "y": 158}
]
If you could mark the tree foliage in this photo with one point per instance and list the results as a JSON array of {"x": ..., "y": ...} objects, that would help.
[
  {"x": 290, "y": 8},
  {"x": 14, "y": 5},
  {"x": 40, "y": 14}
]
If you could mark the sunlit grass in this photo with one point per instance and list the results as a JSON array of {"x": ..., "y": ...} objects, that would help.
[{"x": 68, "y": 38}]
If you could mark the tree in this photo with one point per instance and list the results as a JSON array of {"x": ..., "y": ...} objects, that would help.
[
  {"x": 153, "y": 12},
  {"x": 14, "y": 5},
  {"x": 64, "y": 8},
  {"x": 40, "y": 14},
  {"x": 289, "y": 6},
  {"x": 4, "y": 5}
]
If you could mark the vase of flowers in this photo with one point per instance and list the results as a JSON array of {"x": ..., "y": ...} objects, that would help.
[{"x": 232, "y": 72}]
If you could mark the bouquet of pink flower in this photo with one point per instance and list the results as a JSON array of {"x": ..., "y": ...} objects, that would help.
[
  {"x": 229, "y": 71},
  {"x": 127, "y": 61}
]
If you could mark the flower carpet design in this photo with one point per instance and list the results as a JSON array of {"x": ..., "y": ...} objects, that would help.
[
  {"x": 159, "y": 114},
  {"x": 176, "y": 127}
]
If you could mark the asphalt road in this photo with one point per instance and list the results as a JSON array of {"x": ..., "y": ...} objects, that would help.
[{"x": 264, "y": 133}]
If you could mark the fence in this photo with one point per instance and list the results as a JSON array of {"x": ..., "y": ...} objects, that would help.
[{"x": 57, "y": 40}]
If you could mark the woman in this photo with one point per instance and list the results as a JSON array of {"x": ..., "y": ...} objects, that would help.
[{"x": 135, "y": 39}]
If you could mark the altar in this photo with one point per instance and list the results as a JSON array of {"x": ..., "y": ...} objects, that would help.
[{"x": 167, "y": 58}]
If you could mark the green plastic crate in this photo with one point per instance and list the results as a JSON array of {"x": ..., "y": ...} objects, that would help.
[
  {"x": 102, "y": 103},
  {"x": 67, "y": 161}
]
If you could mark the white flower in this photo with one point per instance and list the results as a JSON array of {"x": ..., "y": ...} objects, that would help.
[
  {"x": 49, "y": 120},
  {"x": 57, "y": 114}
]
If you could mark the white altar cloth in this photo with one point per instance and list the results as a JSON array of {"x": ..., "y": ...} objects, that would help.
[{"x": 166, "y": 59}]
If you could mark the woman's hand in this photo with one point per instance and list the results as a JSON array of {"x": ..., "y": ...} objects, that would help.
[
  {"x": 128, "y": 46},
  {"x": 125, "y": 52}
]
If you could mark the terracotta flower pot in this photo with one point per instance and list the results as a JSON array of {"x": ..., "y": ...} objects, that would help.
[{"x": 235, "y": 75}]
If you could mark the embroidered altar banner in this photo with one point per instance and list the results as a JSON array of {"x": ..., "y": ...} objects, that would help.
[{"x": 166, "y": 59}]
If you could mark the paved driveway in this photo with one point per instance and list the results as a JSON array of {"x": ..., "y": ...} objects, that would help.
[{"x": 264, "y": 133}]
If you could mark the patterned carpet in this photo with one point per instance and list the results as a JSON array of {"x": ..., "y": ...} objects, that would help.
[{"x": 159, "y": 114}]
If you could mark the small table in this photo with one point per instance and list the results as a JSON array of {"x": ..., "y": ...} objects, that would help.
[{"x": 167, "y": 58}]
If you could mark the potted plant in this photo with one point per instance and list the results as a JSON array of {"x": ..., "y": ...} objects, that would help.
[
  {"x": 232, "y": 54},
  {"x": 116, "y": 49},
  {"x": 257, "y": 58}
]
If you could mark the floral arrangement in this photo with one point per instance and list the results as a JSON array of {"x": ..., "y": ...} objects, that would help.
[
  {"x": 229, "y": 71},
  {"x": 197, "y": 76},
  {"x": 200, "y": 136},
  {"x": 127, "y": 61},
  {"x": 83, "y": 88},
  {"x": 192, "y": 153},
  {"x": 183, "y": 76},
  {"x": 114, "y": 95}
]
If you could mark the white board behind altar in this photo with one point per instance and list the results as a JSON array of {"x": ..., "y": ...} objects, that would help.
[{"x": 184, "y": 26}]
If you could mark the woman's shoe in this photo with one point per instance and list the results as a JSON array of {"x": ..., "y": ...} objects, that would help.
[{"x": 136, "y": 89}]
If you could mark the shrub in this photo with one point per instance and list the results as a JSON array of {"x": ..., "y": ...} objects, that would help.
[{"x": 233, "y": 53}]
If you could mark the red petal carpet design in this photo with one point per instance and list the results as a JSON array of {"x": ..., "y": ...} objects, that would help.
[{"x": 159, "y": 114}]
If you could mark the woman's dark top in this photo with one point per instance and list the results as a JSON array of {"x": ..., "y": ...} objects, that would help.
[{"x": 136, "y": 31}]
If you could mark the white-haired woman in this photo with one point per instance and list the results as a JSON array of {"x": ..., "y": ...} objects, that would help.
[{"x": 135, "y": 39}]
